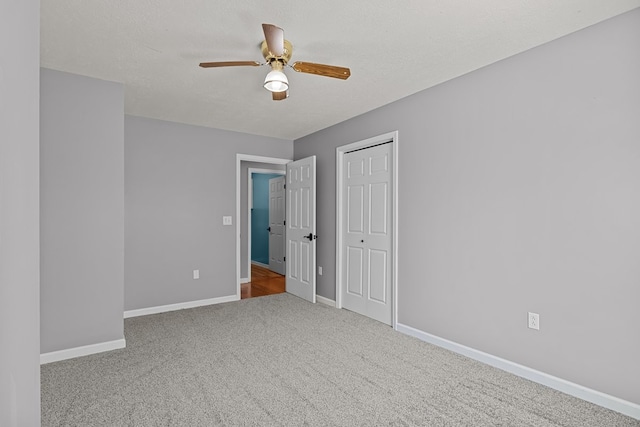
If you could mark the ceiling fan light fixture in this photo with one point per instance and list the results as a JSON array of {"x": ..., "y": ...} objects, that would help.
[
  {"x": 276, "y": 81},
  {"x": 277, "y": 53}
]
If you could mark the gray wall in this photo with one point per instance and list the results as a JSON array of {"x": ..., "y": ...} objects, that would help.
[
  {"x": 82, "y": 210},
  {"x": 19, "y": 224},
  {"x": 179, "y": 182},
  {"x": 519, "y": 191}
]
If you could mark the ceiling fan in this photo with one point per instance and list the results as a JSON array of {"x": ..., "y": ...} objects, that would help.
[{"x": 277, "y": 53}]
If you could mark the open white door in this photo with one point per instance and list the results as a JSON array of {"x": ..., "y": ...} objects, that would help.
[
  {"x": 301, "y": 228},
  {"x": 276, "y": 225}
]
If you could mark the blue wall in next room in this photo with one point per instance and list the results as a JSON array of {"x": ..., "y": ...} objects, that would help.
[{"x": 260, "y": 217}]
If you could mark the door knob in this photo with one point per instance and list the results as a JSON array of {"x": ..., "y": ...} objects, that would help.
[
  {"x": 269, "y": 229},
  {"x": 310, "y": 236}
]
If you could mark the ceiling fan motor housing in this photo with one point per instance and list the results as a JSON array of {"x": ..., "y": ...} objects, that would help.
[{"x": 270, "y": 57}]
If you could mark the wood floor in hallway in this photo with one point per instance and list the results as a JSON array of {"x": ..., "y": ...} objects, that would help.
[{"x": 263, "y": 282}]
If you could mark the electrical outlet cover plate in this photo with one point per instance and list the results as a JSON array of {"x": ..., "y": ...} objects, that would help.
[{"x": 534, "y": 320}]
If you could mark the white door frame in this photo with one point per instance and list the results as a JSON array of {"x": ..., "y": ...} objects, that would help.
[
  {"x": 340, "y": 152},
  {"x": 239, "y": 159},
  {"x": 249, "y": 205}
]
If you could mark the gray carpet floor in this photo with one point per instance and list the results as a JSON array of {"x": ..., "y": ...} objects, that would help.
[{"x": 279, "y": 361}]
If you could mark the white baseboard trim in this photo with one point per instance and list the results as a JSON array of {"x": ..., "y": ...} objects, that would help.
[
  {"x": 245, "y": 280},
  {"x": 610, "y": 402},
  {"x": 260, "y": 264},
  {"x": 85, "y": 350},
  {"x": 178, "y": 306},
  {"x": 326, "y": 301}
]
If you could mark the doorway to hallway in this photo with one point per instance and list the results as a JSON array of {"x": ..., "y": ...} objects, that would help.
[
  {"x": 263, "y": 282},
  {"x": 266, "y": 220},
  {"x": 300, "y": 221}
]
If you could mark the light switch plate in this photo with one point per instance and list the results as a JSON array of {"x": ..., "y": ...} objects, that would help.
[{"x": 226, "y": 220}]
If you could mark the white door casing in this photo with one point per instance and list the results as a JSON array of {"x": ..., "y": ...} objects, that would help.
[
  {"x": 366, "y": 228},
  {"x": 276, "y": 225},
  {"x": 301, "y": 228}
]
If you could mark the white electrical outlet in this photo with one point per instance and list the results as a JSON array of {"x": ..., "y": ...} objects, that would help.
[
  {"x": 196, "y": 274},
  {"x": 319, "y": 271},
  {"x": 534, "y": 320}
]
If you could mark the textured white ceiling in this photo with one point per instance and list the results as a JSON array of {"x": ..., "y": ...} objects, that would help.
[{"x": 394, "y": 49}]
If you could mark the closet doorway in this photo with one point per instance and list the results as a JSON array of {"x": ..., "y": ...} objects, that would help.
[{"x": 366, "y": 227}]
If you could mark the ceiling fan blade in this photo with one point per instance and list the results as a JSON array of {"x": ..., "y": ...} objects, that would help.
[
  {"x": 229, "y": 64},
  {"x": 322, "y": 70},
  {"x": 275, "y": 39},
  {"x": 279, "y": 96}
]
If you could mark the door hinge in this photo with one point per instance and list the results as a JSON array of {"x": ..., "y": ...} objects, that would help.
[
  {"x": 284, "y": 222},
  {"x": 284, "y": 258}
]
